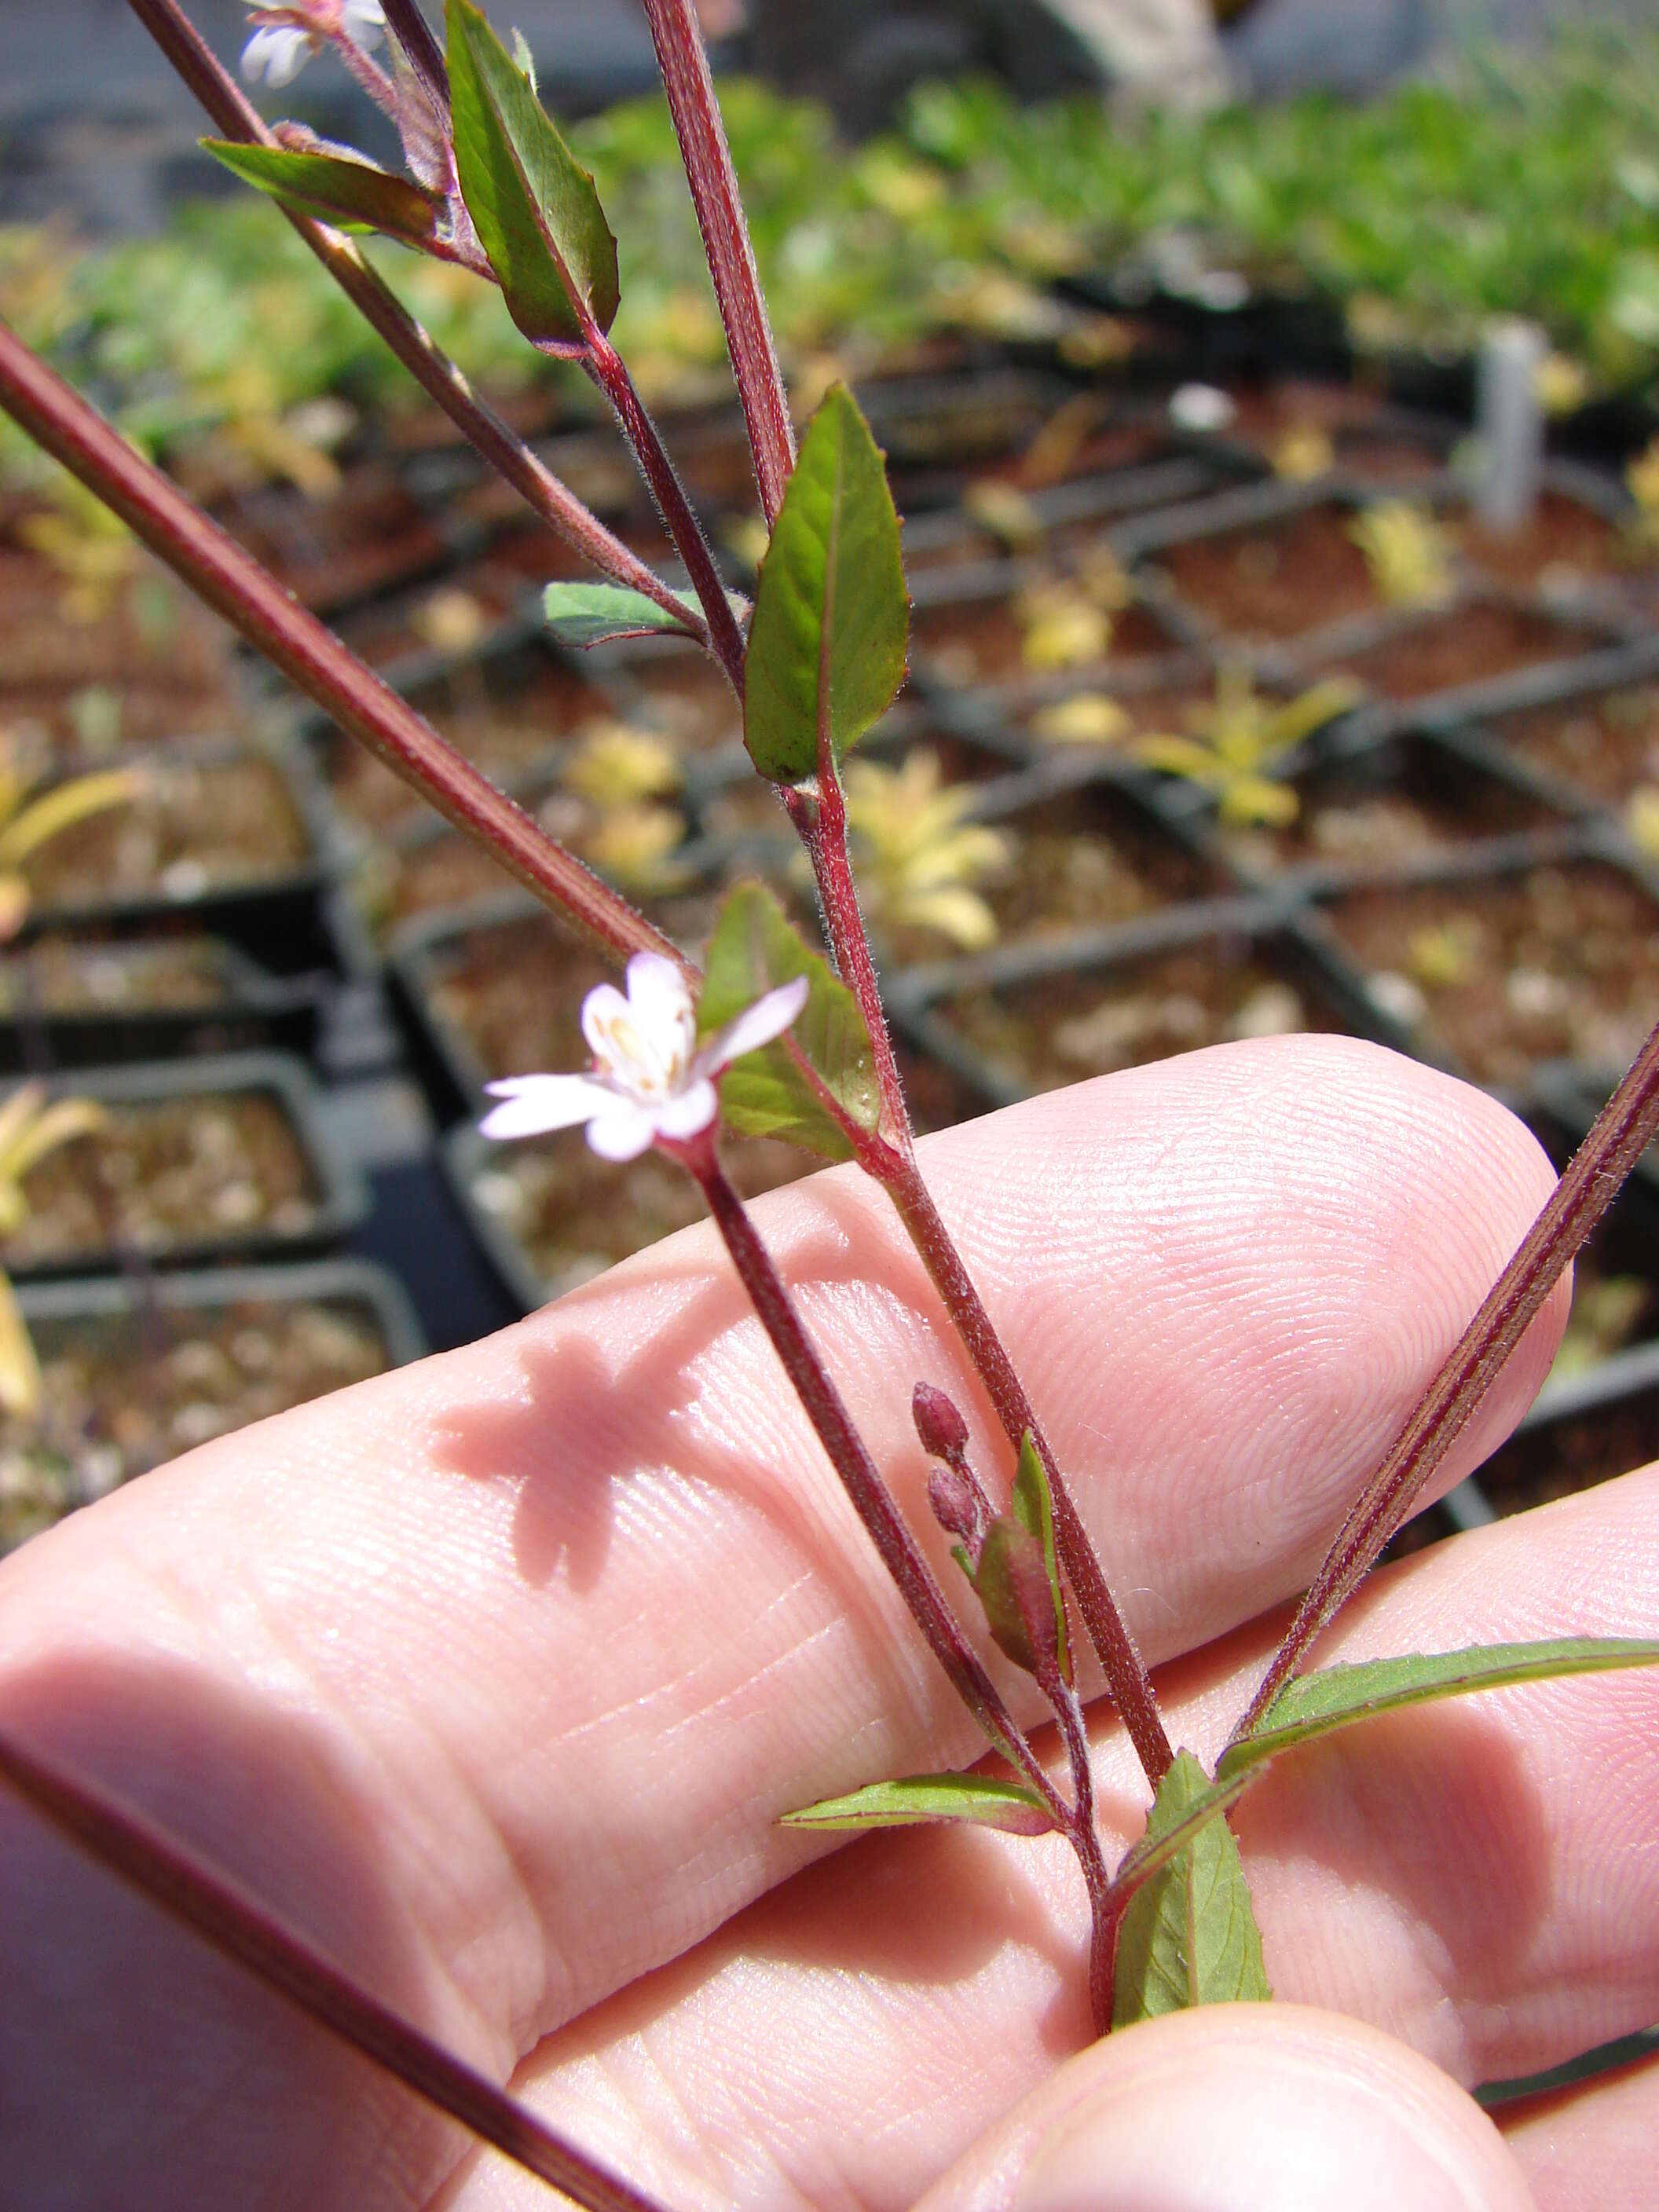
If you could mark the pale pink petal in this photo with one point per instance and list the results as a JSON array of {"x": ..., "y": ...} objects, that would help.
[
  {"x": 768, "y": 1018},
  {"x": 624, "y": 1132},
  {"x": 688, "y": 1111},
  {"x": 538, "y": 1102},
  {"x": 661, "y": 1003},
  {"x": 276, "y": 53},
  {"x": 364, "y": 22},
  {"x": 603, "y": 1008}
]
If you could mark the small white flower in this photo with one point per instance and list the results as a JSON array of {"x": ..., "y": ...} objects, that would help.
[
  {"x": 650, "y": 1080},
  {"x": 288, "y": 37},
  {"x": 276, "y": 53}
]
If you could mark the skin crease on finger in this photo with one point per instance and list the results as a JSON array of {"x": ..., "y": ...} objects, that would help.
[
  {"x": 585, "y": 1597},
  {"x": 1479, "y": 1879}
]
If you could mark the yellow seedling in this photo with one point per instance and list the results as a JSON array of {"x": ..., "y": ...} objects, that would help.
[
  {"x": 617, "y": 765},
  {"x": 1443, "y": 954},
  {"x": 635, "y": 845},
  {"x": 1561, "y": 383},
  {"x": 920, "y": 858},
  {"x": 1642, "y": 482},
  {"x": 1408, "y": 554},
  {"x": 747, "y": 536},
  {"x": 1086, "y": 718},
  {"x": 1642, "y": 819},
  {"x": 1004, "y": 511},
  {"x": 92, "y": 550},
  {"x": 29, "y": 1130},
  {"x": 1233, "y": 746},
  {"x": 26, "y": 824},
  {"x": 450, "y": 620},
  {"x": 1060, "y": 627},
  {"x": 1303, "y": 454}
]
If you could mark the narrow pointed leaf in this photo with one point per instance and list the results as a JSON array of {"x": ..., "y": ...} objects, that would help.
[
  {"x": 769, "y": 1093},
  {"x": 588, "y": 614},
  {"x": 1313, "y": 1705},
  {"x": 827, "y": 645},
  {"x": 534, "y": 207},
  {"x": 982, "y": 1799},
  {"x": 355, "y": 195},
  {"x": 1189, "y": 1936},
  {"x": 1034, "y": 1507}
]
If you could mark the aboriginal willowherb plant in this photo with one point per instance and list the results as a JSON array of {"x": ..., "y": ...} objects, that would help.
[{"x": 771, "y": 1038}]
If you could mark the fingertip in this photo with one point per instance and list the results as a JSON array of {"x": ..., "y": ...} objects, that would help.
[{"x": 1243, "y": 2108}]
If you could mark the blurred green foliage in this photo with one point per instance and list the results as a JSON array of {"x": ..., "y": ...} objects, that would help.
[{"x": 1522, "y": 184}]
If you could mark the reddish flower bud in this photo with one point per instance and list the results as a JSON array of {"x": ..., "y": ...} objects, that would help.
[
  {"x": 957, "y": 1506},
  {"x": 943, "y": 1430}
]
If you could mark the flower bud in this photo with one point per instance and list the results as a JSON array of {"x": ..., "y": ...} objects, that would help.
[
  {"x": 941, "y": 1427},
  {"x": 954, "y": 1499}
]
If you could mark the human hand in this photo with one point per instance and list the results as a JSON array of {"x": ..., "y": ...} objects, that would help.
[{"x": 494, "y": 1674}]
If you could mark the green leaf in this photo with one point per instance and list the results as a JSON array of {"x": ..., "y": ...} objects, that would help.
[
  {"x": 826, "y": 648},
  {"x": 1316, "y": 1705},
  {"x": 1013, "y": 1590},
  {"x": 768, "y": 1093},
  {"x": 1034, "y": 1507},
  {"x": 588, "y": 614},
  {"x": 979, "y": 1798},
  {"x": 534, "y": 205},
  {"x": 354, "y": 194},
  {"x": 1190, "y": 1936}
]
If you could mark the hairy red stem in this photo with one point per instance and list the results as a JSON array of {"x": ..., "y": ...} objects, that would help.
[
  {"x": 684, "y": 62},
  {"x": 1127, "y": 1678},
  {"x": 606, "y": 365},
  {"x": 437, "y": 375},
  {"x": 234, "y": 1923},
  {"x": 872, "y": 1499},
  {"x": 229, "y": 580},
  {"x": 1618, "y": 1136}
]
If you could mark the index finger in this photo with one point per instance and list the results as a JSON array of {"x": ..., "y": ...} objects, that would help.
[{"x": 531, "y": 1645}]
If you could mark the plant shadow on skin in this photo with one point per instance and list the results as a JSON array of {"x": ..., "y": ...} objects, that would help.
[{"x": 283, "y": 1810}]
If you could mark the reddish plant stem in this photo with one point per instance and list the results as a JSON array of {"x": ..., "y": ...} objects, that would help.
[
  {"x": 437, "y": 375},
  {"x": 1127, "y": 1678},
  {"x": 605, "y": 365},
  {"x": 425, "y": 57},
  {"x": 174, "y": 1877},
  {"x": 218, "y": 570},
  {"x": 872, "y": 1499},
  {"x": 684, "y": 62},
  {"x": 820, "y": 821},
  {"x": 1085, "y": 1840},
  {"x": 1618, "y": 1137}
]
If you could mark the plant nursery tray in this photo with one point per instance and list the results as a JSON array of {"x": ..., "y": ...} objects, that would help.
[
  {"x": 138, "y": 1368},
  {"x": 219, "y": 1158}
]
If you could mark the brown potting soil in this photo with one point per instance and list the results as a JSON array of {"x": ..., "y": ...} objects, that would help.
[
  {"x": 148, "y": 628},
  {"x": 123, "y": 1393},
  {"x": 1466, "y": 645},
  {"x": 196, "y": 827},
  {"x": 573, "y": 1216},
  {"x": 1562, "y": 539},
  {"x": 514, "y": 990},
  {"x": 64, "y": 975},
  {"x": 1606, "y": 745},
  {"x": 500, "y": 726},
  {"x": 1276, "y": 579},
  {"x": 369, "y": 536},
  {"x": 1501, "y": 973},
  {"x": 1385, "y": 820},
  {"x": 207, "y": 1168},
  {"x": 1059, "y": 1029},
  {"x": 982, "y": 642}
]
